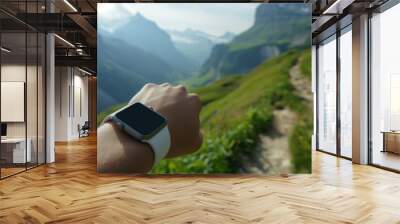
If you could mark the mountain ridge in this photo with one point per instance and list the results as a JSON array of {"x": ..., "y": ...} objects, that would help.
[
  {"x": 275, "y": 30},
  {"x": 147, "y": 35},
  {"x": 196, "y": 44},
  {"x": 114, "y": 58}
]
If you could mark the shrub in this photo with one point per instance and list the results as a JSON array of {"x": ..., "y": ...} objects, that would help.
[{"x": 220, "y": 152}]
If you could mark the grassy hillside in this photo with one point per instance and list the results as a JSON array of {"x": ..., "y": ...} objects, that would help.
[
  {"x": 235, "y": 111},
  {"x": 218, "y": 89},
  {"x": 269, "y": 80}
]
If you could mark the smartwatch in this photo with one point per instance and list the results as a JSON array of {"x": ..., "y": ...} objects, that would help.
[{"x": 145, "y": 125}]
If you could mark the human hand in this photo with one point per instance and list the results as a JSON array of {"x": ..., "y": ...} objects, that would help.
[{"x": 181, "y": 109}]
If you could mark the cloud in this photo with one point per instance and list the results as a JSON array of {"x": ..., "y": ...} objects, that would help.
[{"x": 213, "y": 18}]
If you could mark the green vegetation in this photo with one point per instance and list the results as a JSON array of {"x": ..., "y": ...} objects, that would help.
[
  {"x": 300, "y": 143},
  {"x": 218, "y": 89},
  {"x": 300, "y": 138},
  {"x": 305, "y": 64},
  {"x": 221, "y": 151},
  {"x": 236, "y": 109},
  {"x": 198, "y": 80},
  {"x": 266, "y": 81}
]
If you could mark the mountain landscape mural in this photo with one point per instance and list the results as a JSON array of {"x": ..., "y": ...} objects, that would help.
[{"x": 253, "y": 82}]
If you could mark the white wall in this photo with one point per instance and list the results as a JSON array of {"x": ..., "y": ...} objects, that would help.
[
  {"x": 71, "y": 94},
  {"x": 61, "y": 103},
  {"x": 12, "y": 73},
  {"x": 16, "y": 73}
]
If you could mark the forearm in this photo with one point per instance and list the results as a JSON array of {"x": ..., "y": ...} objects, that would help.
[{"x": 118, "y": 152}]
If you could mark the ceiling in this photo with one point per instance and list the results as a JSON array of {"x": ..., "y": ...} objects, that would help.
[
  {"x": 76, "y": 22},
  {"x": 330, "y": 15}
]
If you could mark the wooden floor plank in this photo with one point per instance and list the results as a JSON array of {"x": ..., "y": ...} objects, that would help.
[{"x": 70, "y": 191}]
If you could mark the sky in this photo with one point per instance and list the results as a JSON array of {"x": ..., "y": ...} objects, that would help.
[{"x": 212, "y": 18}]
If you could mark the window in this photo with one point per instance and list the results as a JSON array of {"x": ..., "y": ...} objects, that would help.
[
  {"x": 22, "y": 88},
  {"x": 385, "y": 89},
  {"x": 327, "y": 95},
  {"x": 346, "y": 92}
]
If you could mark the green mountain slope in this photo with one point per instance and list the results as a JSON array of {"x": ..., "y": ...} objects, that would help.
[
  {"x": 282, "y": 24},
  {"x": 147, "y": 35},
  {"x": 277, "y": 28},
  {"x": 124, "y": 69},
  {"x": 236, "y": 109},
  {"x": 270, "y": 78}
]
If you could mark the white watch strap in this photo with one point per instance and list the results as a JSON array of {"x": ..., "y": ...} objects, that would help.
[{"x": 160, "y": 143}]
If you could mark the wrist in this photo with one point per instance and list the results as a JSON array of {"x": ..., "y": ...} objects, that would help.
[
  {"x": 119, "y": 152},
  {"x": 144, "y": 125}
]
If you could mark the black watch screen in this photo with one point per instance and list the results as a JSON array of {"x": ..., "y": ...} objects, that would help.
[{"x": 142, "y": 119}]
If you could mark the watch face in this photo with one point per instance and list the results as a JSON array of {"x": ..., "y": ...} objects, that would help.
[{"x": 142, "y": 119}]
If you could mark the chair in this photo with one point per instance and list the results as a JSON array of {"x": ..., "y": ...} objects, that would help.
[{"x": 84, "y": 130}]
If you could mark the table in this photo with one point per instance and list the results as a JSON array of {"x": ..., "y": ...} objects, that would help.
[
  {"x": 391, "y": 141},
  {"x": 13, "y": 150}
]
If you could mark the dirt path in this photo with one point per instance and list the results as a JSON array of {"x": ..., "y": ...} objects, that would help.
[
  {"x": 272, "y": 154},
  {"x": 301, "y": 84}
]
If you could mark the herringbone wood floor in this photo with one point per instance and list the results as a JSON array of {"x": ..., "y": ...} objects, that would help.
[{"x": 70, "y": 191}]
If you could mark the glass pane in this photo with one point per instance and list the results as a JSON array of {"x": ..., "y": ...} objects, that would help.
[
  {"x": 13, "y": 86},
  {"x": 346, "y": 94},
  {"x": 327, "y": 96},
  {"x": 385, "y": 83},
  {"x": 31, "y": 98}
]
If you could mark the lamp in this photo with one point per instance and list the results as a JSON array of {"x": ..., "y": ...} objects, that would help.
[
  {"x": 64, "y": 40},
  {"x": 84, "y": 71},
  {"x": 70, "y": 5},
  {"x": 5, "y": 50},
  {"x": 337, "y": 7}
]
